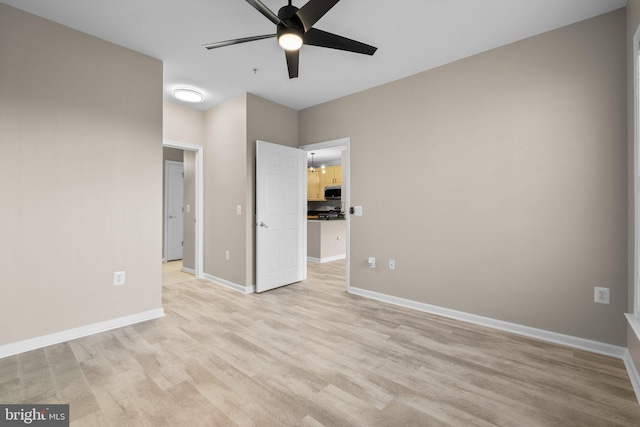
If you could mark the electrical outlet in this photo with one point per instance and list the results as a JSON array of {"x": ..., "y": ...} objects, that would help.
[
  {"x": 226, "y": 255},
  {"x": 601, "y": 295},
  {"x": 392, "y": 264},
  {"x": 371, "y": 262},
  {"x": 118, "y": 278},
  {"x": 239, "y": 210}
]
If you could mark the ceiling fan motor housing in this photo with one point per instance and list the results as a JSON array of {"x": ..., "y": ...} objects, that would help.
[
  {"x": 287, "y": 15},
  {"x": 290, "y": 30}
]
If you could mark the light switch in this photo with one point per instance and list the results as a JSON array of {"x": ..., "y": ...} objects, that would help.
[
  {"x": 188, "y": 208},
  {"x": 239, "y": 210},
  {"x": 357, "y": 210}
]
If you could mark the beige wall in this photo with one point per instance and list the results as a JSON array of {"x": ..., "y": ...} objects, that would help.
[
  {"x": 326, "y": 239},
  {"x": 507, "y": 172},
  {"x": 271, "y": 122},
  {"x": 172, "y": 154},
  {"x": 182, "y": 124},
  {"x": 80, "y": 168},
  {"x": 508, "y": 168},
  {"x": 185, "y": 125},
  {"x": 189, "y": 237},
  {"x": 633, "y": 20},
  {"x": 231, "y": 131},
  {"x": 225, "y": 153}
]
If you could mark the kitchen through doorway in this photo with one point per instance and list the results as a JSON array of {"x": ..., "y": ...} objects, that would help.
[{"x": 328, "y": 201}]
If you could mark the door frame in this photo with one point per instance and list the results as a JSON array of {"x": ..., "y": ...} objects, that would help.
[
  {"x": 166, "y": 205},
  {"x": 199, "y": 202},
  {"x": 636, "y": 174},
  {"x": 346, "y": 190}
]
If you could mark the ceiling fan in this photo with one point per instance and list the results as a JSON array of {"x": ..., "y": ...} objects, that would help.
[{"x": 294, "y": 27}]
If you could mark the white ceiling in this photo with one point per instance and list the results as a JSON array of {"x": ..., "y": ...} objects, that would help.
[
  {"x": 411, "y": 36},
  {"x": 325, "y": 156}
]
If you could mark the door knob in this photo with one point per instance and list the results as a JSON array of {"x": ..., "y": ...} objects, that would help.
[{"x": 262, "y": 224}]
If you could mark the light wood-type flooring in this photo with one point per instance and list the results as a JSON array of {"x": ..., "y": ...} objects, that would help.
[
  {"x": 172, "y": 273},
  {"x": 310, "y": 354}
]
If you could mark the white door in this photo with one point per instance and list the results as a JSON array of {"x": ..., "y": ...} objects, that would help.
[
  {"x": 280, "y": 215},
  {"x": 174, "y": 185}
]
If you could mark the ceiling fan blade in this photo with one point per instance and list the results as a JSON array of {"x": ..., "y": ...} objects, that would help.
[
  {"x": 315, "y": 37},
  {"x": 236, "y": 41},
  {"x": 257, "y": 4},
  {"x": 293, "y": 59},
  {"x": 311, "y": 12}
]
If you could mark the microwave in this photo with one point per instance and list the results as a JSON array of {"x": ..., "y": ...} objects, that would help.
[{"x": 333, "y": 192}]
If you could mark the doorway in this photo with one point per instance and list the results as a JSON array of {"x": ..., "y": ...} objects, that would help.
[
  {"x": 191, "y": 208},
  {"x": 342, "y": 145}
]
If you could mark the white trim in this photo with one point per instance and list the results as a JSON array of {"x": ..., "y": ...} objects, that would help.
[
  {"x": 636, "y": 172},
  {"x": 75, "y": 333},
  {"x": 540, "y": 334},
  {"x": 199, "y": 207},
  {"x": 634, "y": 376},
  {"x": 346, "y": 191},
  {"x": 634, "y": 322},
  {"x": 634, "y": 319},
  {"x": 243, "y": 289},
  {"x": 188, "y": 270},
  {"x": 327, "y": 259}
]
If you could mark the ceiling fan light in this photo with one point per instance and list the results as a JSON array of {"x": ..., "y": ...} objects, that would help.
[
  {"x": 290, "y": 39},
  {"x": 188, "y": 95}
]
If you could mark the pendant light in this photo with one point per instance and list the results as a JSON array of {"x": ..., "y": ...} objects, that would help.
[{"x": 312, "y": 168}]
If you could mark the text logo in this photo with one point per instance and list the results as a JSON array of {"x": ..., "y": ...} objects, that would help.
[{"x": 34, "y": 415}]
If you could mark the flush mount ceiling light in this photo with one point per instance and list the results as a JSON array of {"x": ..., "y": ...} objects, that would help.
[{"x": 188, "y": 95}]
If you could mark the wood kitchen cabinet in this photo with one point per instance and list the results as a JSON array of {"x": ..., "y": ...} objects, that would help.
[
  {"x": 316, "y": 181},
  {"x": 333, "y": 175},
  {"x": 314, "y": 189}
]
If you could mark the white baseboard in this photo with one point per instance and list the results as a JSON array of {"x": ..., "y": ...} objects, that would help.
[
  {"x": 634, "y": 376},
  {"x": 541, "y": 334},
  {"x": 189, "y": 270},
  {"x": 72, "y": 334},
  {"x": 327, "y": 259},
  {"x": 244, "y": 289}
]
